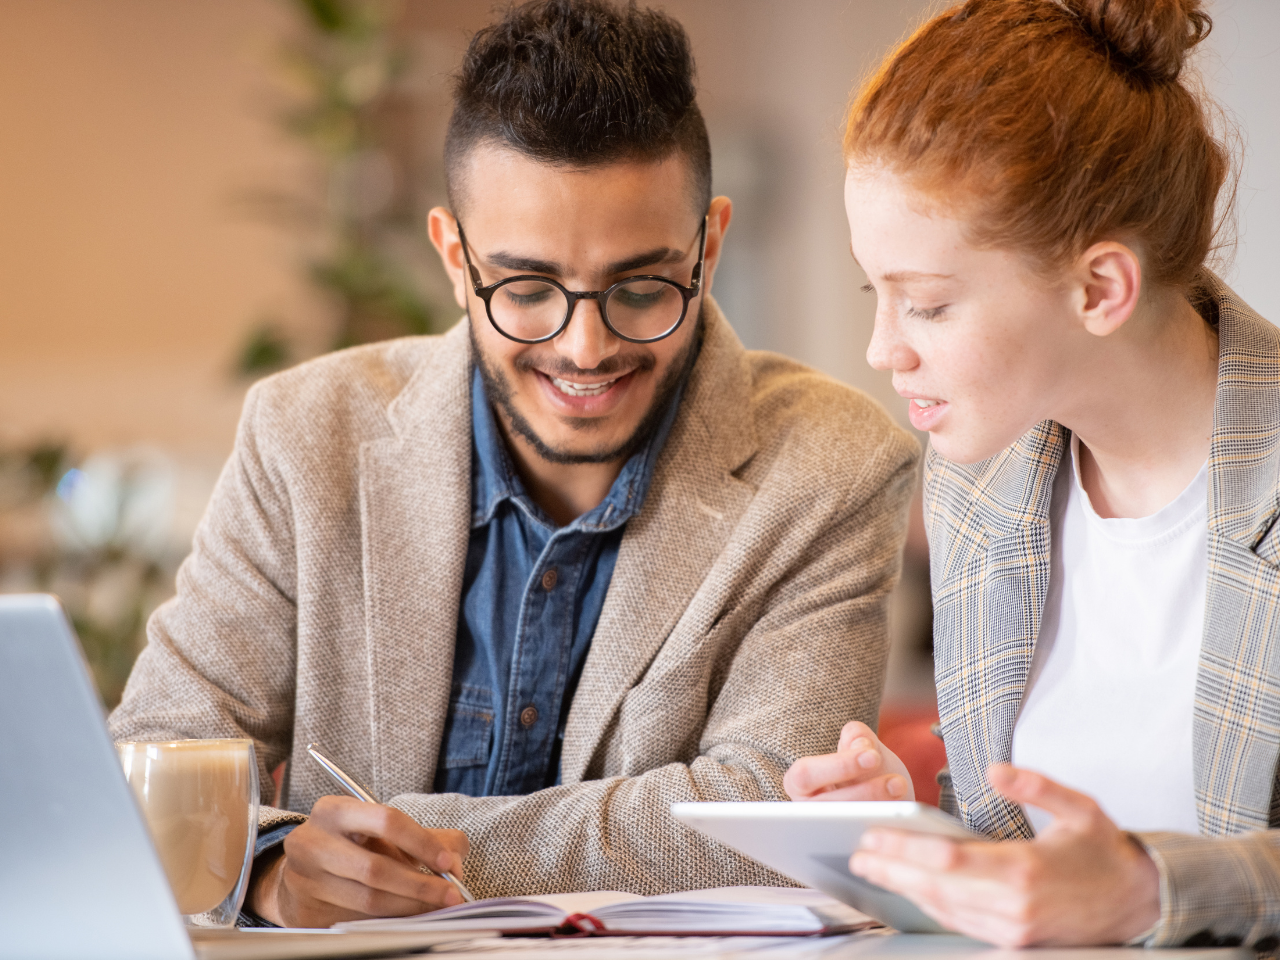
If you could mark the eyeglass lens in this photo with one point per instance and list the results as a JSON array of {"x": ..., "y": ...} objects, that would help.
[{"x": 532, "y": 309}]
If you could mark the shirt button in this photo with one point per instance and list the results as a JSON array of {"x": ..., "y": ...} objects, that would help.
[
  {"x": 549, "y": 579},
  {"x": 529, "y": 715}
]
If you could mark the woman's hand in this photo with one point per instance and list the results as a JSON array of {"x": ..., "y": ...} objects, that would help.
[
  {"x": 353, "y": 860},
  {"x": 1082, "y": 882},
  {"x": 862, "y": 768}
]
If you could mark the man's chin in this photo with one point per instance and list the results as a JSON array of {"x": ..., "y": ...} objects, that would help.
[{"x": 578, "y": 440}]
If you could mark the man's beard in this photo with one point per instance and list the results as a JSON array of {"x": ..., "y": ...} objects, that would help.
[{"x": 499, "y": 392}]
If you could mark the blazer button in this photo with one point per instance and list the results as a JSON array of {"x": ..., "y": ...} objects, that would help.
[
  {"x": 529, "y": 715},
  {"x": 549, "y": 579}
]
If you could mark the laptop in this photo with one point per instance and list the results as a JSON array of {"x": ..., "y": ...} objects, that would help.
[{"x": 79, "y": 876}]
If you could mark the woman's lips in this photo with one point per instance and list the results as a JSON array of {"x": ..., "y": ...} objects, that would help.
[{"x": 924, "y": 412}]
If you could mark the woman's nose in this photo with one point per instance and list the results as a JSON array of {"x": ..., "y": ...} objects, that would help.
[{"x": 887, "y": 350}]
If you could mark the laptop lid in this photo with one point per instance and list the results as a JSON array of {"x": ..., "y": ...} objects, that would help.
[{"x": 78, "y": 874}]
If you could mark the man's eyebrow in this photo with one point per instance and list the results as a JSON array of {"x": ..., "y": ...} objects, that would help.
[
  {"x": 651, "y": 258},
  {"x": 514, "y": 261},
  {"x": 523, "y": 264}
]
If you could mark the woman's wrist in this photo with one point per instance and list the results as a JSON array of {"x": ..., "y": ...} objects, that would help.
[{"x": 1144, "y": 898}]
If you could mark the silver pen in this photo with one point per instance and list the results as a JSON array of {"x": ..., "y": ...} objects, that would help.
[{"x": 360, "y": 792}]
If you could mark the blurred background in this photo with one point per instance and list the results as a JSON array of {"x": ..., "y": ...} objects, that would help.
[{"x": 195, "y": 194}]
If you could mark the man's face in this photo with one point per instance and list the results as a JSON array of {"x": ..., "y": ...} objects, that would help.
[{"x": 586, "y": 395}]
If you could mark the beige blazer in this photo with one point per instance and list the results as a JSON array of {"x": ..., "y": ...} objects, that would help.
[
  {"x": 988, "y": 529},
  {"x": 744, "y": 625}
]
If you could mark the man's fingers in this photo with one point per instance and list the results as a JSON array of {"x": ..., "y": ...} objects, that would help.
[
  {"x": 345, "y": 899},
  {"x": 436, "y": 849},
  {"x": 1027, "y": 786},
  {"x": 322, "y": 856}
]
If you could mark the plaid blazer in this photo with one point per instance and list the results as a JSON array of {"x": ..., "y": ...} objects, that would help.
[
  {"x": 744, "y": 624},
  {"x": 988, "y": 526}
]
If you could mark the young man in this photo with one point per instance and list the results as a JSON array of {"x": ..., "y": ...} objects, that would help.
[{"x": 580, "y": 557}]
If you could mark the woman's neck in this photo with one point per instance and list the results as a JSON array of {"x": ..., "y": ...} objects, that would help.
[{"x": 1146, "y": 417}]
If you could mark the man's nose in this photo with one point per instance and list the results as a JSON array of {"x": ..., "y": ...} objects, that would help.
[
  {"x": 887, "y": 350},
  {"x": 586, "y": 341}
]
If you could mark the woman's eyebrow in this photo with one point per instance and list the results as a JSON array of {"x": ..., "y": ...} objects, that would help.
[{"x": 906, "y": 276}]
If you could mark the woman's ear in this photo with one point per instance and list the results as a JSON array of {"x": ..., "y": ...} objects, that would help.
[
  {"x": 442, "y": 228},
  {"x": 1109, "y": 275}
]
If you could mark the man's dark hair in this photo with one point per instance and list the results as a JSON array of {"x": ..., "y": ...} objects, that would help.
[{"x": 579, "y": 83}]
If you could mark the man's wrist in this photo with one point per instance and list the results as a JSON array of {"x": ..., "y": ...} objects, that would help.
[{"x": 264, "y": 886}]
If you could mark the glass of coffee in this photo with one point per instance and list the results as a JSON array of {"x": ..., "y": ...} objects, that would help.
[{"x": 200, "y": 800}]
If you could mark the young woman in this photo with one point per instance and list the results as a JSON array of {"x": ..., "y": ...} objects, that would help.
[{"x": 1031, "y": 191}]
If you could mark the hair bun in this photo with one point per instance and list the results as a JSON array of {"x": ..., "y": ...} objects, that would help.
[{"x": 1149, "y": 37}]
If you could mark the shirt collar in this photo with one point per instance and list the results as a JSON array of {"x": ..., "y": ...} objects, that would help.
[{"x": 494, "y": 479}]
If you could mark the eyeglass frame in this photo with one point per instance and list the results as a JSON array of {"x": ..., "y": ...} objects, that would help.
[{"x": 486, "y": 293}]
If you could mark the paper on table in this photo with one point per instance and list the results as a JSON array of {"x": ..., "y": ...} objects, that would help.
[{"x": 724, "y": 910}]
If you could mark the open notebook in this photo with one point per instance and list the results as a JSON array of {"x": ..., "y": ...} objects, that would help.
[{"x": 724, "y": 911}]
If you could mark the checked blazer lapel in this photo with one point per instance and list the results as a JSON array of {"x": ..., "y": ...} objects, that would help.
[
  {"x": 691, "y": 509},
  {"x": 992, "y": 575},
  {"x": 1236, "y": 726},
  {"x": 415, "y": 503}
]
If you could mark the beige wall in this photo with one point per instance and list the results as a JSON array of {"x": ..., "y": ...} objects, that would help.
[{"x": 127, "y": 274}]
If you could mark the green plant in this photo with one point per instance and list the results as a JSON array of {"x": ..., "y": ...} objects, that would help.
[{"x": 350, "y": 115}]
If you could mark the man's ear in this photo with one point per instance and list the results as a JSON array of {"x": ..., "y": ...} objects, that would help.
[
  {"x": 1110, "y": 282},
  {"x": 718, "y": 216},
  {"x": 442, "y": 228}
]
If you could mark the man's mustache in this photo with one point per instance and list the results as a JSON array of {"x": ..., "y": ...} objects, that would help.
[{"x": 566, "y": 370}]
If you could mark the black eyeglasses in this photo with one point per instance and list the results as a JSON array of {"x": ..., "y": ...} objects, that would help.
[{"x": 533, "y": 309}]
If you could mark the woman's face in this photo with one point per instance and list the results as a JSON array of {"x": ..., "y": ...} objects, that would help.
[{"x": 978, "y": 343}]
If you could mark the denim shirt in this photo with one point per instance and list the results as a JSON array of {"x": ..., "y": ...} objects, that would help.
[{"x": 532, "y": 594}]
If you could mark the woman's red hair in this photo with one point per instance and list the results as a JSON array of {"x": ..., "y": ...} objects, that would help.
[{"x": 1053, "y": 124}]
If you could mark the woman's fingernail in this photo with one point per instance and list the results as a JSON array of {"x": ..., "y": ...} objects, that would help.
[
  {"x": 895, "y": 786},
  {"x": 868, "y": 759},
  {"x": 870, "y": 841}
]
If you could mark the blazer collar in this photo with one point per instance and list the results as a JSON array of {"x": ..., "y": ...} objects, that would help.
[
  {"x": 1244, "y": 455},
  {"x": 669, "y": 547},
  {"x": 415, "y": 505}
]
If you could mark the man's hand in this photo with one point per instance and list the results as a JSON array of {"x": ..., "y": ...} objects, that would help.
[
  {"x": 862, "y": 768},
  {"x": 1082, "y": 882},
  {"x": 352, "y": 860}
]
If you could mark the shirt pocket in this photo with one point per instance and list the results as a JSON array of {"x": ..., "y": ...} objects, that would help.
[{"x": 468, "y": 732}]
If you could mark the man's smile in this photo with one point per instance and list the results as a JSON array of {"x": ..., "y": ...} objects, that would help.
[{"x": 582, "y": 389}]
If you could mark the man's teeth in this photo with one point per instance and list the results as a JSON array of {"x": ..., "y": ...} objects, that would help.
[
  {"x": 925, "y": 403},
  {"x": 582, "y": 389}
]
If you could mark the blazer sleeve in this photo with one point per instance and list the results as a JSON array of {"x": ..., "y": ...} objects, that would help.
[
  {"x": 220, "y": 656},
  {"x": 812, "y": 660},
  {"x": 1217, "y": 891}
]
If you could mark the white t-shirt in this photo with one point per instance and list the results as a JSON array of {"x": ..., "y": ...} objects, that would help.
[{"x": 1108, "y": 705}]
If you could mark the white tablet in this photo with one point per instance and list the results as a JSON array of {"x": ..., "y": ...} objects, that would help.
[{"x": 812, "y": 843}]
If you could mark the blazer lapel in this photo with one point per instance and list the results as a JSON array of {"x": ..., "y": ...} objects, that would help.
[
  {"x": 689, "y": 513},
  {"x": 988, "y": 606},
  {"x": 1236, "y": 730},
  {"x": 415, "y": 500}
]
